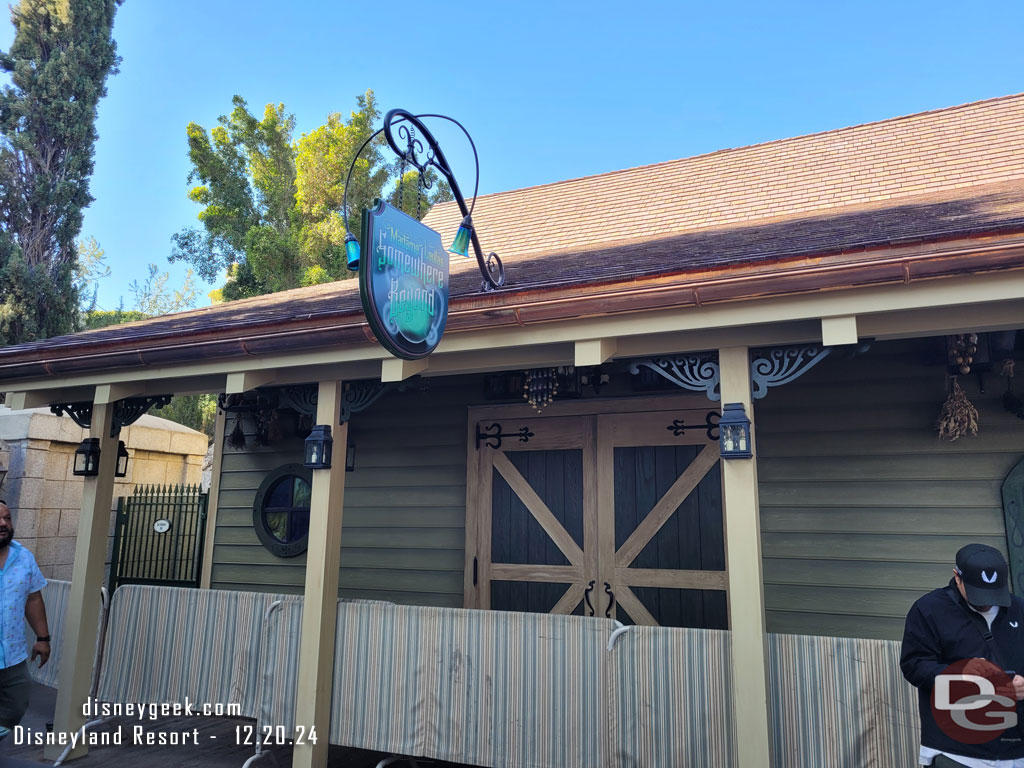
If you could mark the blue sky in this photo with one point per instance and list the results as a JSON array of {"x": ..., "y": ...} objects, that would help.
[{"x": 549, "y": 90}]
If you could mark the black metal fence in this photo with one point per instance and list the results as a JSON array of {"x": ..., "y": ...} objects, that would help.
[{"x": 158, "y": 537}]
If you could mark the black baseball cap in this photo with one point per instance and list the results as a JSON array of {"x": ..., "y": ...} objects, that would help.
[{"x": 985, "y": 575}]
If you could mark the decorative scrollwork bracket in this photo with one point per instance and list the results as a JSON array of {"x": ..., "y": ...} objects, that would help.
[
  {"x": 126, "y": 412},
  {"x": 80, "y": 413},
  {"x": 301, "y": 399},
  {"x": 781, "y": 365},
  {"x": 700, "y": 372},
  {"x": 697, "y": 372},
  {"x": 360, "y": 395}
]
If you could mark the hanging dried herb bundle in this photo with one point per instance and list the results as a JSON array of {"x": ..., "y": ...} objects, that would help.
[
  {"x": 237, "y": 437},
  {"x": 957, "y": 417}
]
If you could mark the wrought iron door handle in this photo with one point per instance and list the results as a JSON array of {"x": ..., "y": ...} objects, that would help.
[
  {"x": 611, "y": 600},
  {"x": 586, "y": 596}
]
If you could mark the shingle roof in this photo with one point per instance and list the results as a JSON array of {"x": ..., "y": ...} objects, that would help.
[
  {"x": 902, "y": 157},
  {"x": 937, "y": 175}
]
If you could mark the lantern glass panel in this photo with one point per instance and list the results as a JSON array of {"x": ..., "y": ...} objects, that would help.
[
  {"x": 122, "y": 460},
  {"x": 87, "y": 458},
  {"x": 317, "y": 451},
  {"x": 736, "y": 438},
  {"x": 314, "y": 449}
]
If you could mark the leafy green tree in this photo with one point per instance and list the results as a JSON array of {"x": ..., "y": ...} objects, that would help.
[
  {"x": 58, "y": 65},
  {"x": 415, "y": 200},
  {"x": 155, "y": 297},
  {"x": 197, "y": 412},
  {"x": 322, "y": 163},
  {"x": 91, "y": 268},
  {"x": 246, "y": 170},
  {"x": 101, "y": 318},
  {"x": 272, "y": 216}
]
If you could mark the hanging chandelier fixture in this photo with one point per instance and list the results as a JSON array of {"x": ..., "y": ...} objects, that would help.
[{"x": 540, "y": 385}]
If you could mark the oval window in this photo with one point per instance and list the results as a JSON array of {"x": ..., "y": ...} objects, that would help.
[{"x": 281, "y": 511}]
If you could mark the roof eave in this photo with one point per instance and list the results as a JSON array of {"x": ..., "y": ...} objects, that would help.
[{"x": 904, "y": 263}]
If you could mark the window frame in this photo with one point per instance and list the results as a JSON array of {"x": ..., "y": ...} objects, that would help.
[{"x": 274, "y": 545}]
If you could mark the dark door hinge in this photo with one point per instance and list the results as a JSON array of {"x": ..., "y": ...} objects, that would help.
[{"x": 474, "y": 571}]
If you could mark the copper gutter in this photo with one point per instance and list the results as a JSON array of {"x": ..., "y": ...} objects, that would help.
[{"x": 613, "y": 298}]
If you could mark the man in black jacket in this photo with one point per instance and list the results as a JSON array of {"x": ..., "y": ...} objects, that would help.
[{"x": 977, "y": 622}]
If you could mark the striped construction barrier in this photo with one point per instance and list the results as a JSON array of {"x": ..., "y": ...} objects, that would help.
[
  {"x": 56, "y": 594},
  {"x": 509, "y": 690},
  {"x": 519, "y": 690}
]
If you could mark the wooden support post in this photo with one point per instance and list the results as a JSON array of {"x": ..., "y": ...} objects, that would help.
[
  {"x": 746, "y": 585},
  {"x": 82, "y": 621},
  {"x": 320, "y": 609},
  {"x": 206, "y": 575}
]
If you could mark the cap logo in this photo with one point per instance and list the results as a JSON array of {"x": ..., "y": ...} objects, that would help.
[
  {"x": 1014, "y": 624},
  {"x": 989, "y": 579}
]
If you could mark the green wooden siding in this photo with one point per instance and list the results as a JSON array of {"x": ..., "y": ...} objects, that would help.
[
  {"x": 862, "y": 507},
  {"x": 405, "y": 503}
]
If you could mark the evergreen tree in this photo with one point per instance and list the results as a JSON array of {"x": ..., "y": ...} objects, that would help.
[{"x": 58, "y": 66}]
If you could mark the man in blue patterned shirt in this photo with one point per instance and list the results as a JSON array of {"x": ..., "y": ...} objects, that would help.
[{"x": 21, "y": 599}]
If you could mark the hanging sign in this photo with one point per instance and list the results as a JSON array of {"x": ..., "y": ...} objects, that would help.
[
  {"x": 162, "y": 526},
  {"x": 403, "y": 282}
]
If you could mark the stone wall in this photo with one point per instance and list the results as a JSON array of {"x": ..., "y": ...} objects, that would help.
[{"x": 46, "y": 497}]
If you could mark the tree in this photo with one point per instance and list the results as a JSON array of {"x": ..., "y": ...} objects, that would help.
[
  {"x": 155, "y": 297},
  {"x": 246, "y": 170},
  {"x": 101, "y": 318},
  {"x": 197, "y": 412},
  {"x": 58, "y": 65},
  {"x": 322, "y": 163},
  {"x": 272, "y": 216},
  {"x": 415, "y": 200},
  {"x": 91, "y": 268}
]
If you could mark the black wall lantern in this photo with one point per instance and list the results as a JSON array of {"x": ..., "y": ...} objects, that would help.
[
  {"x": 350, "y": 458},
  {"x": 122, "y": 460},
  {"x": 319, "y": 445},
  {"x": 735, "y": 441},
  {"x": 87, "y": 458}
]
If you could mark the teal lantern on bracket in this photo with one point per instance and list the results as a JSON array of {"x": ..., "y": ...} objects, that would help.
[
  {"x": 352, "y": 252},
  {"x": 460, "y": 245}
]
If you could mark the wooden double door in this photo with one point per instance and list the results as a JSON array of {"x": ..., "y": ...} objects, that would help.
[{"x": 615, "y": 515}]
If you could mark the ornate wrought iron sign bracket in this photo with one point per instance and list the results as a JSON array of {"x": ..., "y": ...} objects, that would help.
[
  {"x": 491, "y": 268},
  {"x": 768, "y": 368},
  {"x": 410, "y": 128},
  {"x": 126, "y": 412},
  {"x": 493, "y": 435}
]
